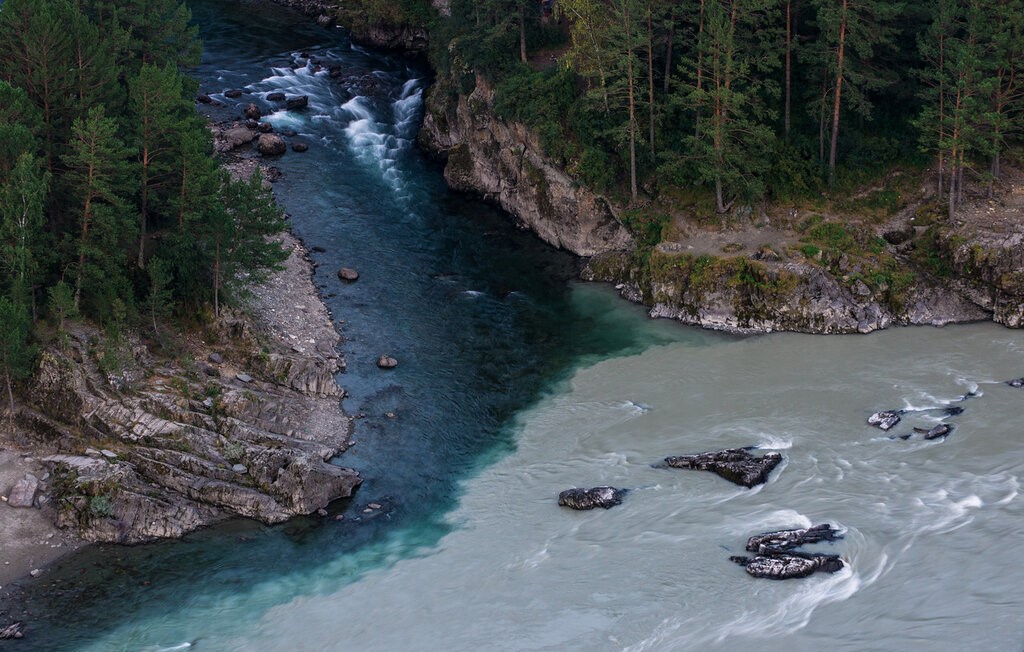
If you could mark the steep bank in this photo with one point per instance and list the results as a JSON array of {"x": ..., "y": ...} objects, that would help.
[
  {"x": 503, "y": 162},
  {"x": 386, "y": 31}
]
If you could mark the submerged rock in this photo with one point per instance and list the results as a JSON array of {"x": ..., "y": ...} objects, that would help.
[
  {"x": 885, "y": 420},
  {"x": 936, "y": 431},
  {"x": 582, "y": 499},
  {"x": 734, "y": 464},
  {"x": 1016, "y": 382},
  {"x": 777, "y": 559},
  {"x": 348, "y": 274}
]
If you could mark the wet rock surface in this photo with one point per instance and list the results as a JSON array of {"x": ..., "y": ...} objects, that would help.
[
  {"x": 737, "y": 465},
  {"x": 777, "y": 557},
  {"x": 886, "y": 419},
  {"x": 584, "y": 499}
]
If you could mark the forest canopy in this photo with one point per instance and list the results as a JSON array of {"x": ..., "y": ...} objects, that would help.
[{"x": 112, "y": 206}]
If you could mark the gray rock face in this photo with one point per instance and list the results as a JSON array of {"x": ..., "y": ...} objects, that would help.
[
  {"x": 583, "y": 499},
  {"x": 183, "y": 462},
  {"x": 735, "y": 464},
  {"x": 271, "y": 145},
  {"x": 23, "y": 493},
  {"x": 504, "y": 162}
]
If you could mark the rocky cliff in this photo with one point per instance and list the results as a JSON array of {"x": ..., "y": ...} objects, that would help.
[{"x": 503, "y": 162}]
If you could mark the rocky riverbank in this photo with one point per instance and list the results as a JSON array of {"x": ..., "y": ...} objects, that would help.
[{"x": 129, "y": 440}]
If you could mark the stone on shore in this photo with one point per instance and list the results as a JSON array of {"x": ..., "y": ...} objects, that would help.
[
  {"x": 238, "y": 136},
  {"x": 387, "y": 362},
  {"x": 734, "y": 464},
  {"x": 23, "y": 494},
  {"x": 583, "y": 499},
  {"x": 240, "y": 469},
  {"x": 215, "y": 358},
  {"x": 885, "y": 420},
  {"x": 271, "y": 145},
  {"x": 243, "y": 378},
  {"x": 203, "y": 98},
  {"x": 348, "y": 274}
]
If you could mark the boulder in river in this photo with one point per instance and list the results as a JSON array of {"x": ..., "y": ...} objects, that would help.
[
  {"x": 885, "y": 420},
  {"x": 348, "y": 274},
  {"x": 776, "y": 556},
  {"x": 299, "y": 147},
  {"x": 296, "y": 103},
  {"x": 785, "y": 566},
  {"x": 271, "y": 145},
  {"x": 1016, "y": 382},
  {"x": 386, "y": 362},
  {"x": 276, "y": 96},
  {"x": 264, "y": 127},
  {"x": 252, "y": 112},
  {"x": 734, "y": 464},
  {"x": 605, "y": 497},
  {"x": 203, "y": 98},
  {"x": 233, "y": 93}
]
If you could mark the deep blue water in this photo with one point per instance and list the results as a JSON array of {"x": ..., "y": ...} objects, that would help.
[{"x": 484, "y": 319}]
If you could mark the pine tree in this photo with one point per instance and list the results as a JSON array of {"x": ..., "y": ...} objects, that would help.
[
  {"x": 20, "y": 125},
  {"x": 96, "y": 164}
]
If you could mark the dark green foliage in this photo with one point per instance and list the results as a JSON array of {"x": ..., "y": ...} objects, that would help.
[{"x": 111, "y": 203}]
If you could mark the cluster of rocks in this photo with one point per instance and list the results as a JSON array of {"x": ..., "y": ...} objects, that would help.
[
  {"x": 251, "y": 129},
  {"x": 887, "y": 419},
  {"x": 777, "y": 558}
]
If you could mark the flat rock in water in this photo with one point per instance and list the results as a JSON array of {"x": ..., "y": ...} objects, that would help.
[
  {"x": 387, "y": 362},
  {"x": 590, "y": 498},
  {"x": 276, "y": 96},
  {"x": 936, "y": 431},
  {"x": 885, "y": 420},
  {"x": 782, "y": 540},
  {"x": 734, "y": 464},
  {"x": 23, "y": 493},
  {"x": 786, "y": 566}
]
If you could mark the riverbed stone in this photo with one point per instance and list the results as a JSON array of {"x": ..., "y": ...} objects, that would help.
[
  {"x": 737, "y": 465},
  {"x": 23, "y": 494},
  {"x": 583, "y": 499},
  {"x": 276, "y": 96},
  {"x": 252, "y": 112},
  {"x": 296, "y": 103},
  {"x": 385, "y": 361},
  {"x": 234, "y": 93},
  {"x": 271, "y": 145},
  {"x": 299, "y": 147},
  {"x": 348, "y": 274}
]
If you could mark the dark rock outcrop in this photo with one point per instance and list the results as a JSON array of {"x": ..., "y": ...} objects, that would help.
[
  {"x": 776, "y": 556},
  {"x": 583, "y": 499},
  {"x": 276, "y": 96},
  {"x": 935, "y": 432},
  {"x": 734, "y": 464}
]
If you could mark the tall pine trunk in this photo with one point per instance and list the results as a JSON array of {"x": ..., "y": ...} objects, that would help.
[
  {"x": 650, "y": 75},
  {"x": 789, "y": 64},
  {"x": 668, "y": 50},
  {"x": 522, "y": 33},
  {"x": 834, "y": 147}
]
